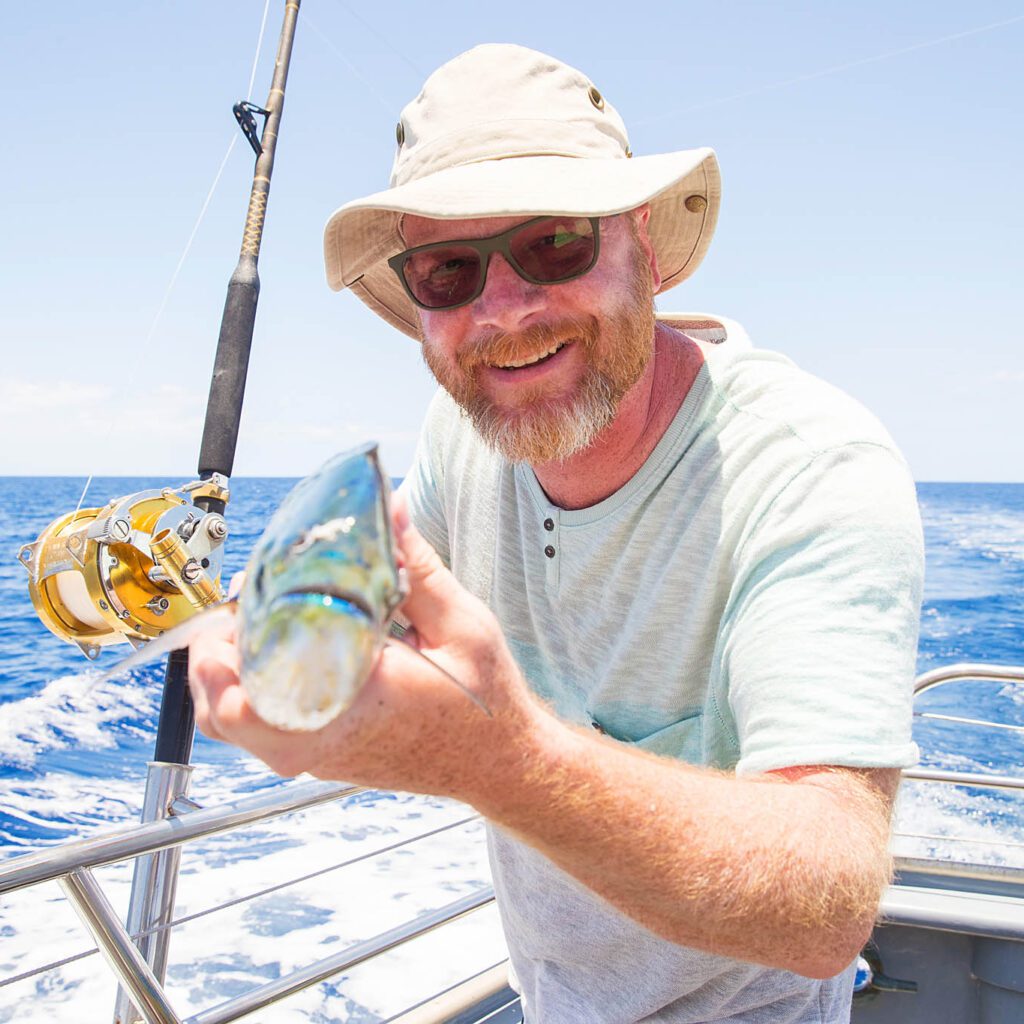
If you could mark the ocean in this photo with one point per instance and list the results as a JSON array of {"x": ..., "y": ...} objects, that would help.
[{"x": 73, "y": 763}]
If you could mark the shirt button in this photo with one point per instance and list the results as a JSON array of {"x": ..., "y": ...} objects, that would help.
[
  {"x": 549, "y": 551},
  {"x": 549, "y": 524}
]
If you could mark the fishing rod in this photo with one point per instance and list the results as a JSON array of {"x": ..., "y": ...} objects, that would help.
[
  {"x": 145, "y": 562},
  {"x": 231, "y": 364}
]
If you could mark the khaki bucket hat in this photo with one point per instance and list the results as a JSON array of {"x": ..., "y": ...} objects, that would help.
[{"x": 501, "y": 131}]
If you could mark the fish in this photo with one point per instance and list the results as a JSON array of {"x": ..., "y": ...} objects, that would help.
[{"x": 319, "y": 598}]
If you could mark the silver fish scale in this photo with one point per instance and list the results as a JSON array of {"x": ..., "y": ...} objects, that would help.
[{"x": 321, "y": 588}]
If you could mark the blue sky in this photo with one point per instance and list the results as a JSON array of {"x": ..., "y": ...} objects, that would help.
[{"x": 872, "y": 223}]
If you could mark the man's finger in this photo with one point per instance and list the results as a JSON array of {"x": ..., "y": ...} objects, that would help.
[
  {"x": 232, "y": 717},
  {"x": 235, "y": 586},
  {"x": 214, "y": 666},
  {"x": 436, "y": 604}
]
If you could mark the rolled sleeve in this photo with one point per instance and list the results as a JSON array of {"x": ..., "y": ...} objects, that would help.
[{"x": 819, "y": 643}]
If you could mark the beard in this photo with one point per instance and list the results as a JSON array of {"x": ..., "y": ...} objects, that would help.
[{"x": 546, "y": 425}]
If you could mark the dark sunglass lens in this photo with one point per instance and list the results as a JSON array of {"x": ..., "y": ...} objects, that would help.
[
  {"x": 443, "y": 277},
  {"x": 555, "y": 250}
]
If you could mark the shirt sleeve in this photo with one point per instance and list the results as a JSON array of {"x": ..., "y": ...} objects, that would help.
[
  {"x": 819, "y": 640},
  {"x": 424, "y": 485}
]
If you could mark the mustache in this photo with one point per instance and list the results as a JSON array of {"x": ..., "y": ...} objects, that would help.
[{"x": 511, "y": 346}]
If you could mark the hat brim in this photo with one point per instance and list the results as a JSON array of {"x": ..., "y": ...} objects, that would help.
[{"x": 361, "y": 235}]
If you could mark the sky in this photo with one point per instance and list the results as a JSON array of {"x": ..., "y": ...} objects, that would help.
[{"x": 872, "y": 225}]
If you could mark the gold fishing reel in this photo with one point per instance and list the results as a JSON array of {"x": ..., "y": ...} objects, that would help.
[{"x": 129, "y": 570}]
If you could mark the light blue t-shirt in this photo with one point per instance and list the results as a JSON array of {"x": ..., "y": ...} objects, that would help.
[{"x": 749, "y": 600}]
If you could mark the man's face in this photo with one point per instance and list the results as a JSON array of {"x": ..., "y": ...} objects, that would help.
[{"x": 541, "y": 369}]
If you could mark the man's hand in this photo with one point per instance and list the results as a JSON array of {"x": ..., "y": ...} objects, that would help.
[
  {"x": 783, "y": 869},
  {"x": 410, "y": 727}
]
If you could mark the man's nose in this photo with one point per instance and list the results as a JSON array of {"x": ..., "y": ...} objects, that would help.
[{"x": 507, "y": 299}]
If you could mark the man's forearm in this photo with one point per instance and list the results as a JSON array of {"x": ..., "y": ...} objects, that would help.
[{"x": 784, "y": 873}]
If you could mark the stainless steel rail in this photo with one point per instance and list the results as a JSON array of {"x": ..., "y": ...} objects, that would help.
[
  {"x": 123, "y": 956},
  {"x": 967, "y": 672},
  {"x": 139, "y": 936},
  {"x": 265, "y": 995},
  {"x": 457, "y": 998},
  {"x": 71, "y": 865},
  {"x": 980, "y": 779},
  {"x": 963, "y": 869},
  {"x": 47, "y": 865},
  {"x": 155, "y": 880}
]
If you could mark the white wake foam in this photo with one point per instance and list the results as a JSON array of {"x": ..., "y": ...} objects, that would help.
[
  {"x": 72, "y": 712},
  {"x": 988, "y": 531},
  {"x": 221, "y": 954},
  {"x": 957, "y": 824}
]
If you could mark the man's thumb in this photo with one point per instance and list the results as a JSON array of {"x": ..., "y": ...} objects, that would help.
[{"x": 435, "y": 596}]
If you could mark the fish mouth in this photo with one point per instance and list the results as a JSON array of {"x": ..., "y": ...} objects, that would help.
[{"x": 329, "y": 594}]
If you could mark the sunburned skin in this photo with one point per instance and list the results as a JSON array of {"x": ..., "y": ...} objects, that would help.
[
  {"x": 314, "y": 607},
  {"x": 644, "y": 368},
  {"x": 783, "y": 869}
]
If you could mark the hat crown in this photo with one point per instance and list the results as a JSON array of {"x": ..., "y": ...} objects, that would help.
[{"x": 499, "y": 101}]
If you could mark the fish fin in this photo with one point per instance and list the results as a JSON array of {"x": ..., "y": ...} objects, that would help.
[
  {"x": 173, "y": 640},
  {"x": 462, "y": 686}
]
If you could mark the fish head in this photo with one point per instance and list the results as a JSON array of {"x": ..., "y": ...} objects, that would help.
[{"x": 321, "y": 588}]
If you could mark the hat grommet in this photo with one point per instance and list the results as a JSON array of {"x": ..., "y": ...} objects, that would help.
[
  {"x": 400, "y": 133},
  {"x": 695, "y": 204},
  {"x": 595, "y": 97}
]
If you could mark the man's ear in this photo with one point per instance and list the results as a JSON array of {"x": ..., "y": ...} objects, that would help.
[{"x": 641, "y": 215}]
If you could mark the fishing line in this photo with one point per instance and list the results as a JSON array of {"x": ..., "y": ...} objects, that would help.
[
  {"x": 969, "y": 721},
  {"x": 383, "y": 38},
  {"x": 958, "y": 839},
  {"x": 183, "y": 634},
  {"x": 143, "y": 349},
  {"x": 368, "y": 85},
  {"x": 25, "y": 975},
  {"x": 259, "y": 47},
  {"x": 395, "y": 641},
  {"x": 831, "y": 71},
  {"x": 491, "y": 1016},
  {"x": 313, "y": 874}
]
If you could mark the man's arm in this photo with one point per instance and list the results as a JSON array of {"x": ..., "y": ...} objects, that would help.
[{"x": 783, "y": 869}]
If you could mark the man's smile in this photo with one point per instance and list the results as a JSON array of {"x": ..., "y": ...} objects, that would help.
[
  {"x": 533, "y": 367},
  {"x": 531, "y": 360}
]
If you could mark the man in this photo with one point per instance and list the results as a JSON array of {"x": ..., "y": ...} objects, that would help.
[{"x": 685, "y": 577}]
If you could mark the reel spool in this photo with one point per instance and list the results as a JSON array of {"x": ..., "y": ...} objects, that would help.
[{"x": 130, "y": 570}]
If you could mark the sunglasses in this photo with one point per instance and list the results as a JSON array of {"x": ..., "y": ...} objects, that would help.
[{"x": 545, "y": 250}]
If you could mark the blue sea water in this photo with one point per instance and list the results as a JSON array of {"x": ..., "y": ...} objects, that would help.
[
  {"x": 73, "y": 758},
  {"x": 73, "y": 763},
  {"x": 54, "y": 729},
  {"x": 973, "y": 611}
]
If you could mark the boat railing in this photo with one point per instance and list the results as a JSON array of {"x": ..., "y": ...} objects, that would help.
[
  {"x": 73, "y": 864},
  {"x": 964, "y": 673}
]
